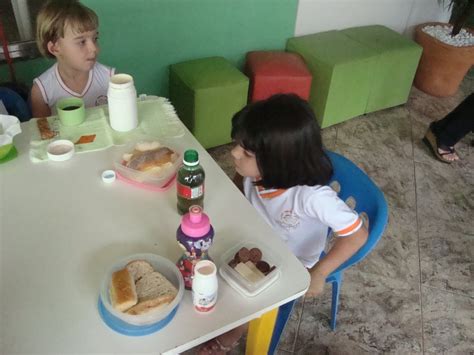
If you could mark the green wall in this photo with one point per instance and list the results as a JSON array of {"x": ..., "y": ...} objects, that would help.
[{"x": 143, "y": 37}]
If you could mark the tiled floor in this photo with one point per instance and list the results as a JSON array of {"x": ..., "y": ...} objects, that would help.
[{"x": 415, "y": 292}]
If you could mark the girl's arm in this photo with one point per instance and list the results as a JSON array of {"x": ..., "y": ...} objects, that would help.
[
  {"x": 38, "y": 107},
  {"x": 343, "y": 249}
]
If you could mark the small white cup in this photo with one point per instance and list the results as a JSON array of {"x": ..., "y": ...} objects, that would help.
[{"x": 60, "y": 150}]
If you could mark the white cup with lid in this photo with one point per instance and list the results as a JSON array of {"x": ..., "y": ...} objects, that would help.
[{"x": 122, "y": 101}]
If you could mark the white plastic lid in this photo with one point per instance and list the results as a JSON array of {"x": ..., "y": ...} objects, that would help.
[
  {"x": 60, "y": 150},
  {"x": 108, "y": 176},
  {"x": 121, "y": 81}
]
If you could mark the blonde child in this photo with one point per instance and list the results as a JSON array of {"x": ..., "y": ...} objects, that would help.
[
  {"x": 68, "y": 31},
  {"x": 283, "y": 171}
]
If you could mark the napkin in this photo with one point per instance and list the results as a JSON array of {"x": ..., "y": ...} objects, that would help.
[
  {"x": 156, "y": 115},
  {"x": 9, "y": 127}
]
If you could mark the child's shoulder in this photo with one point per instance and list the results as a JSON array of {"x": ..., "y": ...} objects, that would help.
[
  {"x": 316, "y": 190},
  {"x": 104, "y": 69},
  {"x": 320, "y": 194},
  {"x": 48, "y": 73}
]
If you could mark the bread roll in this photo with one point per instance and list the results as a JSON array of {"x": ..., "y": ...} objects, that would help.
[
  {"x": 123, "y": 293},
  {"x": 139, "y": 268},
  {"x": 151, "y": 159},
  {"x": 45, "y": 129},
  {"x": 154, "y": 291}
]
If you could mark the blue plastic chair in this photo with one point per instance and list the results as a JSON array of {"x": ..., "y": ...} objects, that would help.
[
  {"x": 15, "y": 104},
  {"x": 370, "y": 200}
]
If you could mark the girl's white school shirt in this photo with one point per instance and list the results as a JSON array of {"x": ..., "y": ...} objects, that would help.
[
  {"x": 53, "y": 88},
  {"x": 301, "y": 216}
]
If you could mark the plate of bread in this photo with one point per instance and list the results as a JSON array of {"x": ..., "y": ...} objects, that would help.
[{"x": 141, "y": 290}]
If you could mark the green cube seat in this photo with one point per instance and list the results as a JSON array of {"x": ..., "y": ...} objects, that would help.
[
  {"x": 393, "y": 74},
  {"x": 341, "y": 69},
  {"x": 206, "y": 93}
]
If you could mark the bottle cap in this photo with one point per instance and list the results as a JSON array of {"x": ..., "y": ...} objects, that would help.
[
  {"x": 205, "y": 268},
  {"x": 195, "y": 223},
  {"x": 108, "y": 176},
  {"x": 121, "y": 81},
  {"x": 191, "y": 157}
]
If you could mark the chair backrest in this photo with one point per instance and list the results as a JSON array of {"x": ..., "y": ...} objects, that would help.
[
  {"x": 368, "y": 198},
  {"x": 15, "y": 104}
]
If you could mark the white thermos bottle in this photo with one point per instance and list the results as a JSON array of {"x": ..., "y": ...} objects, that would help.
[
  {"x": 204, "y": 286},
  {"x": 122, "y": 100}
]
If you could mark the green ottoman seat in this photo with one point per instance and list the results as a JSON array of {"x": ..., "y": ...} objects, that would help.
[
  {"x": 392, "y": 76},
  {"x": 341, "y": 69},
  {"x": 206, "y": 93}
]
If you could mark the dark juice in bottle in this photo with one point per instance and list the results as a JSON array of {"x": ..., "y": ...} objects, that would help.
[{"x": 190, "y": 182}]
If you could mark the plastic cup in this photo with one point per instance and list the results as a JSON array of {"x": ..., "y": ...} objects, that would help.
[
  {"x": 5, "y": 149},
  {"x": 71, "y": 111}
]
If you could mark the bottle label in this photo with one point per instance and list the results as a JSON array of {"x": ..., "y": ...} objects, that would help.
[
  {"x": 204, "y": 302},
  {"x": 190, "y": 192}
]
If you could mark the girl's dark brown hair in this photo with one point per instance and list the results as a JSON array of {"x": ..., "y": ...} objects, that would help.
[{"x": 285, "y": 137}]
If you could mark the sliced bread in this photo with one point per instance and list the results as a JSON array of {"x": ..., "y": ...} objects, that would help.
[
  {"x": 154, "y": 291},
  {"x": 123, "y": 294},
  {"x": 139, "y": 268}
]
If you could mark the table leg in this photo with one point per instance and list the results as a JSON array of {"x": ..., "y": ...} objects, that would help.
[
  {"x": 284, "y": 313},
  {"x": 260, "y": 333}
]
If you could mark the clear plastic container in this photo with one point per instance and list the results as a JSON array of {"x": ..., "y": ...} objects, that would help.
[
  {"x": 157, "y": 179},
  {"x": 241, "y": 284},
  {"x": 160, "y": 264}
]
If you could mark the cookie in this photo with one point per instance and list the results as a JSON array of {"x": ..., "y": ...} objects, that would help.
[
  {"x": 263, "y": 266},
  {"x": 255, "y": 255},
  {"x": 244, "y": 254},
  {"x": 233, "y": 263}
]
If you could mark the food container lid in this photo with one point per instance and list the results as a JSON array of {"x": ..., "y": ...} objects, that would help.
[
  {"x": 108, "y": 176},
  {"x": 60, "y": 150}
]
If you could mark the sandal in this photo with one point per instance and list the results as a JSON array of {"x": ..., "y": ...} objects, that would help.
[
  {"x": 431, "y": 141},
  {"x": 214, "y": 346}
]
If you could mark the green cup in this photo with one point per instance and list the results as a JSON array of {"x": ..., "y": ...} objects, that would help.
[
  {"x": 71, "y": 111},
  {"x": 5, "y": 149}
]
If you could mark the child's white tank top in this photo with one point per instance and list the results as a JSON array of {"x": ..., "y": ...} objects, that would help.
[{"x": 53, "y": 88}]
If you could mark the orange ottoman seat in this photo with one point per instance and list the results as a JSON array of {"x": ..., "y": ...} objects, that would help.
[{"x": 275, "y": 72}]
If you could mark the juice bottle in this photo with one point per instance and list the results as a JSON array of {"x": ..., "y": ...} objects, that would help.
[
  {"x": 190, "y": 182},
  {"x": 204, "y": 286},
  {"x": 195, "y": 235}
]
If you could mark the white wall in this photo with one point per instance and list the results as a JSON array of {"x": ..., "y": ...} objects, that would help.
[{"x": 400, "y": 15}]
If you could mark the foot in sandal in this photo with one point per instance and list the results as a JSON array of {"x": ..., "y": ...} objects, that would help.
[
  {"x": 223, "y": 343},
  {"x": 443, "y": 153}
]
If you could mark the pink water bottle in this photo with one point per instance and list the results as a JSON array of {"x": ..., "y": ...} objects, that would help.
[{"x": 195, "y": 235}]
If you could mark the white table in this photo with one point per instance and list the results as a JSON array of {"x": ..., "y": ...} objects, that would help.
[{"x": 61, "y": 227}]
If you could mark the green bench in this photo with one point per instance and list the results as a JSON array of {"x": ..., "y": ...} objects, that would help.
[{"x": 357, "y": 70}]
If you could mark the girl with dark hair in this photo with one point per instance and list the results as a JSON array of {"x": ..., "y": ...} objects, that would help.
[{"x": 283, "y": 171}]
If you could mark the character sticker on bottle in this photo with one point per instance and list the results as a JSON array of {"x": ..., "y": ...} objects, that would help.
[{"x": 204, "y": 302}]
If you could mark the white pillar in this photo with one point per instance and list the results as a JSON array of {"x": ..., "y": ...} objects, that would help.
[{"x": 23, "y": 20}]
